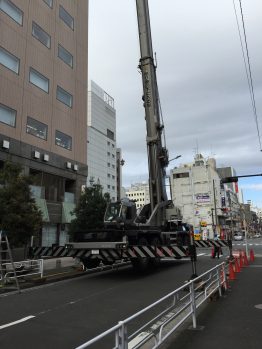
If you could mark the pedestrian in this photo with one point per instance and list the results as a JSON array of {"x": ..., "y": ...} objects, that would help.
[{"x": 216, "y": 248}]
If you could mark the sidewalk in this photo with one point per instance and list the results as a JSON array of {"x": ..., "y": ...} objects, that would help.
[{"x": 232, "y": 321}]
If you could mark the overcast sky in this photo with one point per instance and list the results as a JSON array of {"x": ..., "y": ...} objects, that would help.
[{"x": 201, "y": 77}]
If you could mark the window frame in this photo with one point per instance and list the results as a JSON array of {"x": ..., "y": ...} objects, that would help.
[
  {"x": 67, "y": 93},
  {"x": 62, "y": 9},
  {"x": 47, "y": 2},
  {"x": 11, "y": 109},
  {"x": 63, "y": 134},
  {"x": 41, "y": 76},
  {"x": 67, "y": 52},
  {"x": 11, "y": 4},
  {"x": 40, "y": 29},
  {"x": 10, "y": 54},
  {"x": 39, "y": 122}
]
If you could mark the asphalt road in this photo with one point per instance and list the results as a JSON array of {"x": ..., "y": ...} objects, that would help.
[{"x": 68, "y": 313}]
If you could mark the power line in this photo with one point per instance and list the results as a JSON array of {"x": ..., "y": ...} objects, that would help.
[{"x": 247, "y": 67}]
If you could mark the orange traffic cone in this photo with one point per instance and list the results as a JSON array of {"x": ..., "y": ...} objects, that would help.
[
  {"x": 212, "y": 252},
  {"x": 245, "y": 259},
  {"x": 237, "y": 267},
  {"x": 231, "y": 271},
  {"x": 252, "y": 256},
  {"x": 240, "y": 260}
]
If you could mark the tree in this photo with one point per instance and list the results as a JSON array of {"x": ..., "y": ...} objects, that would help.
[
  {"x": 19, "y": 215},
  {"x": 90, "y": 210}
]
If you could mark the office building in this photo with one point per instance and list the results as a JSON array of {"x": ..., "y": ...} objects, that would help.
[
  {"x": 101, "y": 154},
  {"x": 43, "y": 102}
]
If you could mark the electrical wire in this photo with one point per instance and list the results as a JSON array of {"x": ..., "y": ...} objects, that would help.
[{"x": 247, "y": 67}]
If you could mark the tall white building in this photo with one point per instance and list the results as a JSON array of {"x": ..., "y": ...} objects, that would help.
[
  {"x": 101, "y": 148},
  {"x": 196, "y": 190},
  {"x": 140, "y": 193}
]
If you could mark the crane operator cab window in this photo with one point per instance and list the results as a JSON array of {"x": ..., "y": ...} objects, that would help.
[
  {"x": 121, "y": 211},
  {"x": 113, "y": 211}
]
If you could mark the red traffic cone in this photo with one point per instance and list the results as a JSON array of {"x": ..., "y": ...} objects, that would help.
[
  {"x": 245, "y": 259},
  {"x": 232, "y": 275},
  {"x": 252, "y": 256},
  {"x": 240, "y": 260},
  {"x": 237, "y": 267},
  {"x": 212, "y": 252}
]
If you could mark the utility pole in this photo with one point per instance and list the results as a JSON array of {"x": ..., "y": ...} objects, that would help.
[{"x": 215, "y": 205}]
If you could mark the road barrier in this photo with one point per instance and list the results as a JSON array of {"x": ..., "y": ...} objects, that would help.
[
  {"x": 23, "y": 269},
  {"x": 163, "y": 317}
]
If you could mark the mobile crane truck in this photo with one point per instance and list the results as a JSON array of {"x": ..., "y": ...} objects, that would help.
[{"x": 157, "y": 231}]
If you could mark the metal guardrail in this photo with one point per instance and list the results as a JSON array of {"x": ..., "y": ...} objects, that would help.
[
  {"x": 163, "y": 317},
  {"x": 23, "y": 269}
]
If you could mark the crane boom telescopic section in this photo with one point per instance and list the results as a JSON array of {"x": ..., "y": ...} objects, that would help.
[{"x": 157, "y": 153}]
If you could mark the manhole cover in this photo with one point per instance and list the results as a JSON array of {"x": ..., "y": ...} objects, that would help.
[{"x": 258, "y": 306}]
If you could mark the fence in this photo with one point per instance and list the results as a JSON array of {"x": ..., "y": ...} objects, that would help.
[
  {"x": 163, "y": 317},
  {"x": 23, "y": 269}
]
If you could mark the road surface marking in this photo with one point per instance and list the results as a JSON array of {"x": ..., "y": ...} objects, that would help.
[{"x": 17, "y": 322}]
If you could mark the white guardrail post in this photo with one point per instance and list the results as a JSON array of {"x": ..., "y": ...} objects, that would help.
[
  {"x": 41, "y": 261},
  {"x": 193, "y": 303},
  {"x": 121, "y": 336}
]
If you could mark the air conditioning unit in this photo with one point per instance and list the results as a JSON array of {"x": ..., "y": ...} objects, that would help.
[
  {"x": 46, "y": 157},
  {"x": 36, "y": 154},
  {"x": 75, "y": 167},
  {"x": 6, "y": 144},
  {"x": 68, "y": 164}
]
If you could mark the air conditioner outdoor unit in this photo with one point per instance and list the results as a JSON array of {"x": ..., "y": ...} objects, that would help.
[
  {"x": 75, "y": 167},
  {"x": 68, "y": 164}
]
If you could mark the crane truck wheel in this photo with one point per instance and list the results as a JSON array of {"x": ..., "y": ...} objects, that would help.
[{"x": 90, "y": 263}]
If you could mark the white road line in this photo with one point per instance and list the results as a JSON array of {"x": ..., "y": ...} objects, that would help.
[
  {"x": 201, "y": 254},
  {"x": 17, "y": 322}
]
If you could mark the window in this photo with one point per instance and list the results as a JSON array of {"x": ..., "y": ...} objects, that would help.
[
  {"x": 38, "y": 80},
  {"x": 108, "y": 164},
  {"x": 7, "y": 115},
  {"x": 108, "y": 175},
  {"x": 8, "y": 60},
  {"x": 41, "y": 35},
  {"x": 113, "y": 177},
  {"x": 36, "y": 128},
  {"x": 64, "y": 96},
  {"x": 49, "y": 3},
  {"x": 113, "y": 188},
  {"x": 108, "y": 143},
  {"x": 181, "y": 175},
  {"x": 113, "y": 156},
  {"x": 63, "y": 140},
  {"x": 12, "y": 11},
  {"x": 108, "y": 186},
  {"x": 113, "y": 166},
  {"x": 108, "y": 153},
  {"x": 65, "y": 56},
  {"x": 66, "y": 17},
  {"x": 110, "y": 134}
]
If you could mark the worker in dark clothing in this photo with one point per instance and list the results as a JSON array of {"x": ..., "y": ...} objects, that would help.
[{"x": 216, "y": 248}]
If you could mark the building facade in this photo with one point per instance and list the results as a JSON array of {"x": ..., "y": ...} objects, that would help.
[
  {"x": 139, "y": 192},
  {"x": 197, "y": 191},
  {"x": 43, "y": 102},
  {"x": 101, "y": 154}
]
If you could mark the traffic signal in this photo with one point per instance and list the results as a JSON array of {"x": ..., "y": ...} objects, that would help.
[{"x": 229, "y": 180}]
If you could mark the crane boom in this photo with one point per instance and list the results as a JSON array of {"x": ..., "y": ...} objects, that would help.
[{"x": 157, "y": 153}]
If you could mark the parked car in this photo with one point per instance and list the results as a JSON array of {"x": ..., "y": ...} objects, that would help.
[
  {"x": 238, "y": 236},
  {"x": 257, "y": 235}
]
